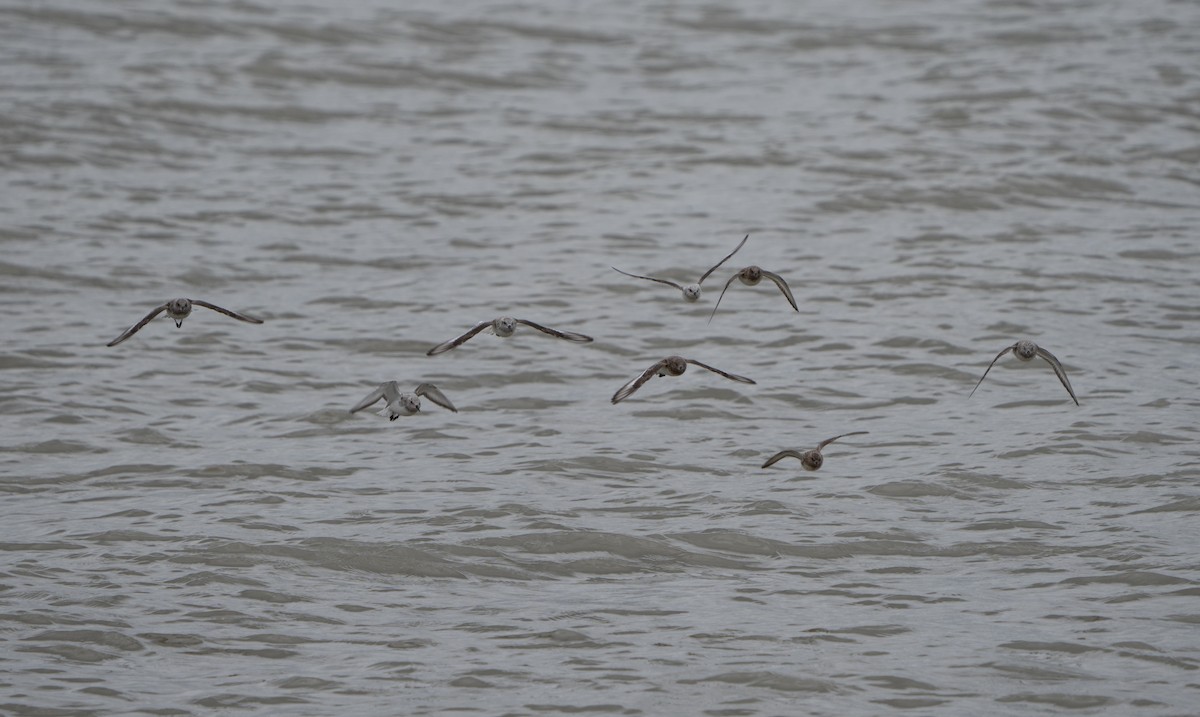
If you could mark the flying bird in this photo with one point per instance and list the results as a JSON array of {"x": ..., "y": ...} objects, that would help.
[
  {"x": 504, "y": 327},
  {"x": 178, "y": 310},
  {"x": 670, "y": 366},
  {"x": 811, "y": 460},
  {"x": 750, "y": 276},
  {"x": 691, "y": 292},
  {"x": 1026, "y": 350},
  {"x": 403, "y": 404}
]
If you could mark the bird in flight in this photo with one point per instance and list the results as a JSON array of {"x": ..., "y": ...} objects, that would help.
[
  {"x": 1026, "y": 350},
  {"x": 750, "y": 276},
  {"x": 670, "y": 366},
  {"x": 403, "y": 404},
  {"x": 811, "y": 460},
  {"x": 504, "y": 327},
  {"x": 691, "y": 292},
  {"x": 178, "y": 310}
]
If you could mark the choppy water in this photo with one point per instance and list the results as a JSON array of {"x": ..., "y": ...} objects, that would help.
[{"x": 193, "y": 521}]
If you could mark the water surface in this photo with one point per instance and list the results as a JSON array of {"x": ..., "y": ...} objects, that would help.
[{"x": 193, "y": 521}]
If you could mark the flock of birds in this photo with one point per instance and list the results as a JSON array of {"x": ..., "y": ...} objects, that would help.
[{"x": 401, "y": 403}]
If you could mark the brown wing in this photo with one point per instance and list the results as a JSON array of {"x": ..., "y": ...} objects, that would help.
[
  {"x": 568, "y": 335},
  {"x": 989, "y": 368},
  {"x": 1058, "y": 371},
  {"x": 668, "y": 282},
  {"x": 734, "y": 377},
  {"x": 138, "y": 326},
  {"x": 781, "y": 455},
  {"x": 227, "y": 312},
  {"x": 787, "y": 293},
  {"x": 628, "y": 389},
  {"x": 831, "y": 440},
  {"x": 722, "y": 296},
  {"x": 456, "y": 342},
  {"x": 719, "y": 263}
]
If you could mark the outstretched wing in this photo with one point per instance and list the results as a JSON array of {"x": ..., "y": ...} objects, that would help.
[
  {"x": 722, "y": 296},
  {"x": 781, "y": 455},
  {"x": 371, "y": 398},
  {"x": 719, "y": 263},
  {"x": 787, "y": 293},
  {"x": 827, "y": 441},
  {"x": 731, "y": 376},
  {"x": 989, "y": 368},
  {"x": 138, "y": 326},
  {"x": 456, "y": 342},
  {"x": 668, "y": 282},
  {"x": 568, "y": 335},
  {"x": 434, "y": 394},
  {"x": 628, "y": 389},
  {"x": 1058, "y": 371},
  {"x": 227, "y": 312}
]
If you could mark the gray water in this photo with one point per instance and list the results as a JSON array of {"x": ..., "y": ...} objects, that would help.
[{"x": 193, "y": 522}]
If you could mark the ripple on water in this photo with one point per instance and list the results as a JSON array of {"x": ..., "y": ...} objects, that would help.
[{"x": 197, "y": 509}]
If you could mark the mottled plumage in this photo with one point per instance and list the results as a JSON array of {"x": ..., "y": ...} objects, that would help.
[
  {"x": 178, "y": 310},
  {"x": 1025, "y": 351},
  {"x": 750, "y": 276},
  {"x": 504, "y": 327},
  {"x": 810, "y": 460},
  {"x": 670, "y": 366}
]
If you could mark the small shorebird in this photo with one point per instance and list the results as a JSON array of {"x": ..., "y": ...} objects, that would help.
[
  {"x": 403, "y": 404},
  {"x": 811, "y": 460},
  {"x": 1026, "y": 350},
  {"x": 670, "y": 366},
  {"x": 504, "y": 327},
  {"x": 750, "y": 276},
  {"x": 691, "y": 292},
  {"x": 178, "y": 310}
]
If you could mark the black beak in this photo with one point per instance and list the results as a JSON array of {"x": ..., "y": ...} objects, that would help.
[{"x": 178, "y": 323}]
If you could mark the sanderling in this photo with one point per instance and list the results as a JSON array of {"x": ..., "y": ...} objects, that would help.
[
  {"x": 504, "y": 326},
  {"x": 1026, "y": 350},
  {"x": 691, "y": 292},
  {"x": 670, "y": 366},
  {"x": 750, "y": 276},
  {"x": 403, "y": 404},
  {"x": 811, "y": 460},
  {"x": 178, "y": 310}
]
